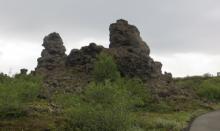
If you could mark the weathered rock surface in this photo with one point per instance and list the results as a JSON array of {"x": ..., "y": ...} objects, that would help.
[
  {"x": 84, "y": 58},
  {"x": 53, "y": 56},
  {"x": 73, "y": 72},
  {"x": 131, "y": 52},
  {"x": 125, "y": 35}
]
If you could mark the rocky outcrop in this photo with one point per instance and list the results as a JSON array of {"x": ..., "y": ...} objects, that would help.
[
  {"x": 53, "y": 56},
  {"x": 73, "y": 72},
  {"x": 131, "y": 52},
  {"x": 23, "y": 71},
  {"x": 83, "y": 59},
  {"x": 127, "y": 36}
]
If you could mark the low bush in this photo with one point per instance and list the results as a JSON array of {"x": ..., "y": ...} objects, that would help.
[
  {"x": 206, "y": 87},
  {"x": 88, "y": 118},
  {"x": 210, "y": 89},
  {"x": 105, "y": 68},
  {"x": 129, "y": 93},
  {"x": 190, "y": 82},
  {"x": 107, "y": 104},
  {"x": 104, "y": 106},
  {"x": 16, "y": 92}
]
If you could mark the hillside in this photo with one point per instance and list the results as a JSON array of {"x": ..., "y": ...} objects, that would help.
[{"x": 120, "y": 88}]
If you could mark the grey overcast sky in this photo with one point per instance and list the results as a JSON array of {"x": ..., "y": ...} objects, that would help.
[{"x": 182, "y": 34}]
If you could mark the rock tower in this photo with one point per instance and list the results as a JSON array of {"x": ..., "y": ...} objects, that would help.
[
  {"x": 53, "y": 56},
  {"x": 72, "y": 72}
]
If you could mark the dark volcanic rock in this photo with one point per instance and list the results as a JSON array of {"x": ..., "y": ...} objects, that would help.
[
  {"x": 128, "y": 36},
  {"x": 131, "y": 52},
  {"x": 53, "y": 56},
  {"x": 23, "y": 71},
  {"x": 73, "y": 72},
  {"x": 84, "y": 58}
]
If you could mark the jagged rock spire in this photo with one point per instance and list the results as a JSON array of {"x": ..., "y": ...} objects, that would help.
[
  {"x": 123, "y": 34},
  {"x": 131, "y": 52},
  {"x": 53, "y": 44},
  {"x": 53, "y": 56}
]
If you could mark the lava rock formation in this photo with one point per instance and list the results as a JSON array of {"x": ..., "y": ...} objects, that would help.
[{"x": 71, "y": 72}]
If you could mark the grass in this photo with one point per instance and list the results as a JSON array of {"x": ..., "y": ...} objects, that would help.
[
  {"x": 207, "y": 88},
  {"x": 173, "y": 121},
  {"x": 108, "y": 103},
  {"x": 20, "y": 107},
  {"x": 16, "y": 92},
  {"x": 104, "y": 106},
  {"x": 210, "y": 89}
]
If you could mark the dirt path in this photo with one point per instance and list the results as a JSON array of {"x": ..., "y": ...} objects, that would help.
[{"x": 207, "y": 122}]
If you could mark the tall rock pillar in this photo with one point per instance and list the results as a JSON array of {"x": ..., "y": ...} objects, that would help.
[
  {"x": 53, "y": 56},
  {"x": 131, "y": 52}
]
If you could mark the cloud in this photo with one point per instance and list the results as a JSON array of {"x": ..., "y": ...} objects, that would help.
[
  {"x": 22, "y": 55},
  {"x": 189, "y": 64},
  {"x": 169, "y": 27}
]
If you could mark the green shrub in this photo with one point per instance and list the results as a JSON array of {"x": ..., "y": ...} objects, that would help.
[
  {"x": 129, "y": 93},
  {"x": 3, "y": 77},
  {"x": 206, "y": 87},
  {"x": 16, "y": 92},
  {"x": 102, "y": 93},
  {"x": 104, "y": 106},
  {"x": 190, "y": 82},
  {"x": 107, "y": 103},
  {"x": 138, "y": 93},
  {"x": 210, "y": 89},
  {"x": 105, "y": 68},
  {"x": 68, "y": 100},
  {"x": 88, "y": 118},
  {"x": 94, "y": 115}
]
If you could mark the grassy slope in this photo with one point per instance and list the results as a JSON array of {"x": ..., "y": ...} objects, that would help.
[
  {"x": 41, "y": 114},
  {"x": 116, "y": 104}
]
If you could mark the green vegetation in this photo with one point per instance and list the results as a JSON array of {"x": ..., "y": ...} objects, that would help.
[
  {"x": 206, "y": 87},
  {"x": 210, "y": 89},
  {"x": 16, "y": 92},
  {"x": 103, "y": 106},
  {"x": 105, "y": 68},
  {"x": 108, "y": 103}
]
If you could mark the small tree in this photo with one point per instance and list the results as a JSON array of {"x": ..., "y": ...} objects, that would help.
[{"x": 105, "y": 68}]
